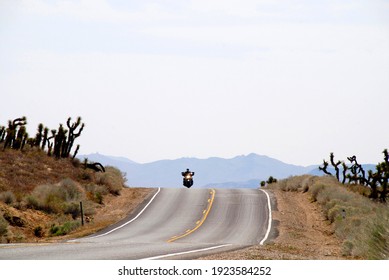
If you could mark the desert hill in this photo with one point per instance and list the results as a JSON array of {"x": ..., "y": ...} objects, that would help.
[{"x": 40, "y": 196}]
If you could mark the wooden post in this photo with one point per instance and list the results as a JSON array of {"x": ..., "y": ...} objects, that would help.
[{"x": 82, "y": 214}]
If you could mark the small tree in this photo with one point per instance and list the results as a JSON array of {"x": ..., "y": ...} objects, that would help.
[{"x": 271, "y": 180}]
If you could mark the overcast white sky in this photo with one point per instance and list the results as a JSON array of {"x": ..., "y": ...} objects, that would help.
[{"x": 294, "y": 80}]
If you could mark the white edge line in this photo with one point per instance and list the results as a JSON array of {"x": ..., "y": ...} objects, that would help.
[
  {"x": 187, "y": 252},
  {"x": 270, "y": 218},
  {"x": 136, "y": 217}
]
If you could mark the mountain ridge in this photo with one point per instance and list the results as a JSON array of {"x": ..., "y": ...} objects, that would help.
[{"x": 239, "y": 171}]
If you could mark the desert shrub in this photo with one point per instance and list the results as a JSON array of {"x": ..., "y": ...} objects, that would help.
[
  {"x": 55, "y": 198},
  {"x": 32, "y": 202},
  {"x": 98, "y": 197},
  {"x": 334, "y": 213},
  {"x": 89, "y": 208},
  {"x": 315, "y": 190},
  {"x": 362, "y": 190},
  {"x": 378, "y": 242},
  {"x": 64, "y": 229},
  {"x": 69, "y": 190},
  {"x": 294, "y": 183},
  {"x": 7, "y": 197},
  {"x": 280, "y": 184},
  {"x": 96, "y": 193},
  {"x": 38, "y": 231},
  {"x": 86, "y": 175},
  {"x": 19, "y": 237},
  {"x": 3, "y": 226},
  {"x": 73, "y": 209},
  {"x": 112, "y": 178}
]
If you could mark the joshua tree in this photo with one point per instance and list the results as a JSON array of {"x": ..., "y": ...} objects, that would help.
[
  {"x": 39, "y": 135},
  {"x": 377, "y": 181},
  {"x": 384, "y": 178},
  {"x": 59, "y": 141},
  {"x": 373, "y": 181},
  {"x": 76, "y": 151},
  {"x": 2, "y": 133},
  {"x": 11, "y": 132},
  {"x": 324, "y": 168},
  {"x": 344, "y": 172},
  {"x": 49, "y": 143},
  {"x": 358, "y": 174},
  {"x": 72, "y": 135},
  {"x": 335, "y": 165},
  {"x": 45, "y": 136},
  {"x": 18, "y": 140}
]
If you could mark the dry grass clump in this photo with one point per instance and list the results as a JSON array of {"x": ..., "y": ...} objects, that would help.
[
  {"x": 362, "y": 224},
  {"x": 112, "y": 178},
  {"x": 56, "y": 198},
  {"x": 7, "y": 197},
  {"x": 295, "y": 183}
]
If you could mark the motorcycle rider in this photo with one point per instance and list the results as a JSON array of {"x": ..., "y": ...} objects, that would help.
[
  {"x": 187, "y": 180},
  {"x": 187, "y": 172}
]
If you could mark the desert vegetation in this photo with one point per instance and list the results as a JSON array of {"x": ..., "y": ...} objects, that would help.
[
  {"x": 359, "y": 222},
  {"x": 59, "y": 142},
  {"x": 42, "y": 182},
  {"x": 373, "y": 184}
]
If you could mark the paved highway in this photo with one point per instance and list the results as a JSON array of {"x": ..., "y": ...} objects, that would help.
[{"x": 173, "y": 224}]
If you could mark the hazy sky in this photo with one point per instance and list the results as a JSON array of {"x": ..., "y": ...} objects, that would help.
[{"x": 294, "y": 80}]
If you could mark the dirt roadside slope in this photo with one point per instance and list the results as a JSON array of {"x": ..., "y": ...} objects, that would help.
[{"x": 303, "y": 233}]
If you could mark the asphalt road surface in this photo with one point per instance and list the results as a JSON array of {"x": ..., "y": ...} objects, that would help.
[{"x": 173, "y": 224}]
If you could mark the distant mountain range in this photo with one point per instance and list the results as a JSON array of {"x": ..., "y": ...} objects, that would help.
[{"x": 241, "y": 171}]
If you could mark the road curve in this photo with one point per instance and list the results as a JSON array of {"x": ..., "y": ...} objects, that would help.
[{"x": 174, "y": 224}]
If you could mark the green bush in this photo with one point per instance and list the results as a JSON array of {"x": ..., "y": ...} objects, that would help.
[{"x": 64, "y": 229}]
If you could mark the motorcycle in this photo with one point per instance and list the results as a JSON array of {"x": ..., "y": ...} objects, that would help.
[
  {"x": 188, "y": 178},
  {"x": 188, "y": 181}
]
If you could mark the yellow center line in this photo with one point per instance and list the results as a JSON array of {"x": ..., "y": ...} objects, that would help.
[{"x": 199, "y": 223}]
